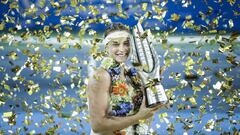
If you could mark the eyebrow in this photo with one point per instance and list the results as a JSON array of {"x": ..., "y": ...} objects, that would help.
[{"x": 115, "y": 41}]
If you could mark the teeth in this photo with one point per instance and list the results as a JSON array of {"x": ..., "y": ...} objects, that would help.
[{"x": 121, "y": 54}]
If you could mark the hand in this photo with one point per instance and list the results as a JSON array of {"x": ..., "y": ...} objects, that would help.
[{"x": 145, "y": 112}]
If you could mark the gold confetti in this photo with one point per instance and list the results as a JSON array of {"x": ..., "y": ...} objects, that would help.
[
  {"x": 4, "y": 1},
  {"x": 231, "y": 2},
  {"x": 43, "y": 17},
  {"x": 82, "y": 7},
  {"x": 9, "y": 117},
  {"x": 230, "y": 22},
  {"x": 196, "y": 88},
  {"x": 2, "y": 26},
  {"x": 144, "y": 6},
  {"x": 12, "y": 55},
  {"x": 163, "y": 115},
  {"x": 204, "y": 68},
  {"x": 175, "y": 17},
  {"x": 74, "y": 60},
  {"x": 192, "y": 100},
  {"x": 42, "y": 3}
]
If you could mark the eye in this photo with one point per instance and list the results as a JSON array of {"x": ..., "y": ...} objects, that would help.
[
  {"x": 126, "y": 43},
  {"x": 115, "y": 44}
]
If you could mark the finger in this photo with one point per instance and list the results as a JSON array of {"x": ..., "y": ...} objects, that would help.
[
  {"x": 150, "y": 114},
  {"x": 155, "y": 110},
  {"x": 158, "y": 107},
  {"x": 143, "y": 102}
]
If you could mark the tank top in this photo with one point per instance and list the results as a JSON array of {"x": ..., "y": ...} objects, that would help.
[{"x": 125, "y": 95}]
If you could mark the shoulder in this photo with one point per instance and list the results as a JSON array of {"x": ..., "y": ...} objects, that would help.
[
  {"x": 100, "y": 76},
  {"x": 102, "y": 73}
]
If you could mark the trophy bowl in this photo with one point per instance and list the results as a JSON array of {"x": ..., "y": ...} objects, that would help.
[{"x": 145, "y": 58}]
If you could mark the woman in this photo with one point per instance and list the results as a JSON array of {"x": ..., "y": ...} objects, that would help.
[{"x": 115, "y": 92}]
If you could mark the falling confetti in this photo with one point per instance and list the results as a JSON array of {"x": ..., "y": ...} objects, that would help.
[{"x": 46, "y": 45}]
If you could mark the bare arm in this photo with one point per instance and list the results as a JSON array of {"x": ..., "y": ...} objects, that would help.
[{"x": 98, "y": 94}]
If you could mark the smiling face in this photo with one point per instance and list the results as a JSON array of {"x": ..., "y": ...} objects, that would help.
[{"x": 118, "y": 45}]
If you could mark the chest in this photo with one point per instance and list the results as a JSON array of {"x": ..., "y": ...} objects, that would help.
[{"x": 124, "y": 98}]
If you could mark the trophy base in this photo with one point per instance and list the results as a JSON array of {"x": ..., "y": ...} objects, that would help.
[
  {"x": 155, "y": 98},
  {"x": 155, "y": 104}
]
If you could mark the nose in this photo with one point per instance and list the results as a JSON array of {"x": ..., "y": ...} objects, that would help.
[{"x": 121, "y": 47}]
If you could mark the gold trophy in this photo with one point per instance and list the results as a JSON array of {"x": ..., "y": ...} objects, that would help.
[{"x": 146, "y": 59}]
